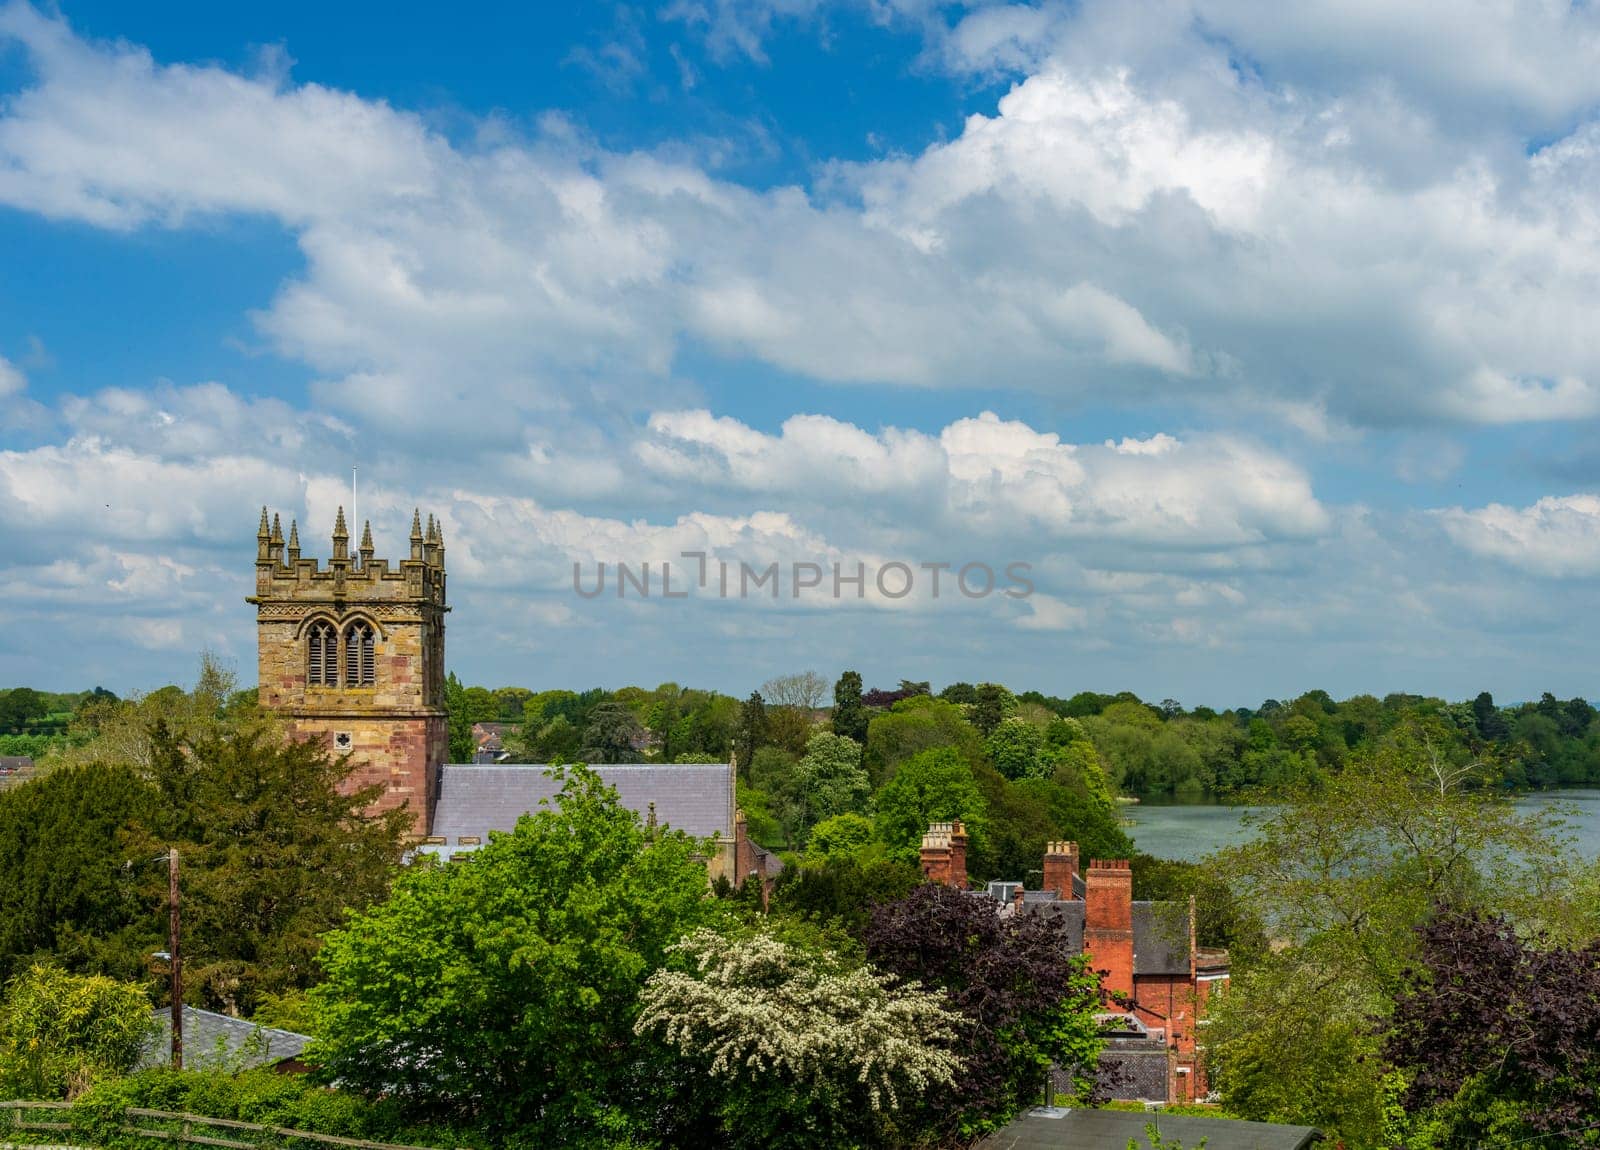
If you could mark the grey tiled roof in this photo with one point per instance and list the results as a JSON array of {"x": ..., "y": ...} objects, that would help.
[
  {"x": 477, "y": 799},
  {"x": 1099, "y": 1129},
  {"x": 218, "y": 1042},
  {"x": 1068, "y": 914},
  {"x": 1160, "y": 930},
  {"x": 1160, "y": 938},
  {"x": 1136, "y": 1069}
]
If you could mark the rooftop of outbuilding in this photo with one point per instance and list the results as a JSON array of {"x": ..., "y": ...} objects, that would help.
[{"x": 1058, "y": 1129}]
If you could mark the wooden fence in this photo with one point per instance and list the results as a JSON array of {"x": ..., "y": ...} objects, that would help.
[{"x": 168, "y": 1126}]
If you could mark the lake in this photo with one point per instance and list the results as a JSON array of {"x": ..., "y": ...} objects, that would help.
[{"x": 1192, "y": 830}]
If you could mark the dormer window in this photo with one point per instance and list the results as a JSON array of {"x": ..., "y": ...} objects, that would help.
[
  {"x": 360, "y": 656},
  {"x": 322, "y": 656}
]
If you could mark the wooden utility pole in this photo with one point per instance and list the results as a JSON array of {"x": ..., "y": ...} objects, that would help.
[{"x": 177, "y": 959}]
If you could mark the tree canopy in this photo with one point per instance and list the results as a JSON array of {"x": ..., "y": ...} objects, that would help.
[
  {"x": 273, "y": 852},
  {"x": 514, "y": 974},
  {"x": 932, "y": 786},
  {"x": 807, "y": 1048},
  {"x": 1348, "y": 875},
  {"x": 60, "y": 1033},
  {"x": 849, "y": 714},
  {"x": 1499, "y": 1034},
  {"x": 1030, "y": 1002}
]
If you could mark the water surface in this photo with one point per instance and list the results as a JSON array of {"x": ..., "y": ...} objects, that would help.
[{"x": 1191, "y": 831}]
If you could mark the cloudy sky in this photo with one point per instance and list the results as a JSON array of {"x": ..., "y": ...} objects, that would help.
[{"x": 1268, "y": 337}]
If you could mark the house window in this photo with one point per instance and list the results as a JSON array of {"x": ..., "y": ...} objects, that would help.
[
  {"x": 322, "y": 656},
  {"x": 360, "y": 656}
]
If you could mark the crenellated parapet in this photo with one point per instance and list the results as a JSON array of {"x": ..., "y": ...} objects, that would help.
[{"x": 284, "y": 575}]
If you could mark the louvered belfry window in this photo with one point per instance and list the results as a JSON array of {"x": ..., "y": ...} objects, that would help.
[
  {"x": 360, "y": 656},
  {"x": 322, "y": 656}
]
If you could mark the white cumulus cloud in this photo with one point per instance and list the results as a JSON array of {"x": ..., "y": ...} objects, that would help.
[
  {"x": 1113, "y": 229},
  {"x": 1558, "y": 535}
]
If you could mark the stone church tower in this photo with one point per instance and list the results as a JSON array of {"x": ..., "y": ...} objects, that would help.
[{"x": 354, "y": 655}]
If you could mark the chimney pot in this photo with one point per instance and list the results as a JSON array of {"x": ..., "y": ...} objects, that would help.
[{"x": 1060, "y": 868}]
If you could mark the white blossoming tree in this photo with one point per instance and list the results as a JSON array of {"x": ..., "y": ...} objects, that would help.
[{"x": 805, "y": 1048}]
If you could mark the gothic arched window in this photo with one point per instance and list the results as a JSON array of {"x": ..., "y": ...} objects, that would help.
[
  {"x": 360, "y": 656},
  {"x": 322, "y": 656}
]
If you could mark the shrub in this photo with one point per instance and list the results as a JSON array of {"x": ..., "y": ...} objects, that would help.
[{"x": 60, "y": 1033}]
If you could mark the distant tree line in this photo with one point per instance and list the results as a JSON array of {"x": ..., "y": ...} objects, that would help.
[
  {"x": 1164, "y": 750},
  {"x": 1147, "y": 750}
]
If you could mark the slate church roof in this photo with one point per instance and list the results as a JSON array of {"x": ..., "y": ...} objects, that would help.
[{"x": 476, "y": 799}]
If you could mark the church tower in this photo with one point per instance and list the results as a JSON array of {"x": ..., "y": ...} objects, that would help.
[{"x": 353, "y": 654}]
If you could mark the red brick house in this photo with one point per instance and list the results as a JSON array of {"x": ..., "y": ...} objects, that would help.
[{"x": 1155, "y": 981}]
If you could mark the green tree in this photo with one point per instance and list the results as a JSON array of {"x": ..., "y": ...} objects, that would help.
[
  {"x": 1024, "y": 815},
  {"x": 60, "y": 1033},
  {"x": 18, "y": 707},
  {"x": 510, "y": 703},
  {"x": 482, "y": 705},
  {"x": 612, "y": 735},
  {"x": 514, "y": 974},
  {"x": 994, "y": 705},
  {"x": 832, "y": 778},
  {"x": 777, "y": 776},
  {"x": 1290, "y": 1043},
  {"x": 807, "y": 1049},
  {"x": 1348, "y": 869},
  {"x": 1222, "y": 918},
  {"x": 849, "y": 714},
  {"x": 842, "y": 889},
  {"x": 273, "y": 852},
  {"x": 792, "y": 703},
  {"x": 933, "y": 786},
  {"x": 662, "y": 715},
  {"x": 1345, "y": 872},
  {"x": 64, "y": 891},
  {"x": 752, "y": 733},
  {"x": 842, "y": 836},
  {"x": 458, "y": 720},
  {"x": 107, "y": 730},
  {"x": 707, "y": 725},
  {"x": 917, "y": 725},
  {"x": 1016, "y": 749},
  {"x": 275, "y": 847},
  {"x": 548, "y": 733},
  {"x": 1075, "y": 762},
  {"x": 959, "y": 693}
]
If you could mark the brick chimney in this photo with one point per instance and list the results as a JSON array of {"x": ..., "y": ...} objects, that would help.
[
  {"x": 958, "y": 855},
  {"x": 936, "y": 853},
  {"x": 1108, "y": 923},
  {"x": 1060, "y": 865},
  {"x": 944, "y": 854}
]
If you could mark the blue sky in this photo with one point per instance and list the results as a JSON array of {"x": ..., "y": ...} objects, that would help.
[{"x": 1266, "y": 339}]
